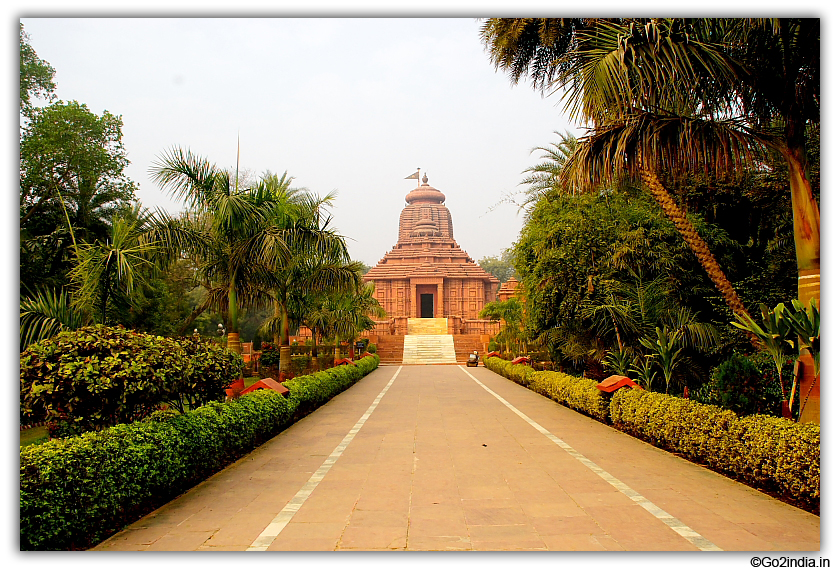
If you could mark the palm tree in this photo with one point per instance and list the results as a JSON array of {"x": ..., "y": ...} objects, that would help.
[
  {"x": 543, "y": 177},
  {"x": 679, "y": 95},
  {"x": 47, "y": 313},
  {"x": 114, "y": 267},
  {"x": 304, "y": 257},
  {"x": 343, "y": 316},
  {"x": 222, "y": 220},
  {"x": 512, "y": 312}
]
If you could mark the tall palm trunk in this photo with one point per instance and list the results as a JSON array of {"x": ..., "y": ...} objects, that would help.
[
  {"x": 696, "y": 243},
  {"x": 234, "y": 344},
  {"x": 285, "y": 347},
  {"x": 806, "y": 229},
  {"x": 806, "y": 237}
]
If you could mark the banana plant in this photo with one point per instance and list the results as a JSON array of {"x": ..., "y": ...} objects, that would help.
[{"x": 774, "y": 334}]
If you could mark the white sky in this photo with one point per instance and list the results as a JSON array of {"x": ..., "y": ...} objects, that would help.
[{"x": 351, "y": 105}]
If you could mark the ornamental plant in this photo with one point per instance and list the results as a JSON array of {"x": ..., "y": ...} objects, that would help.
[
  {"x": 101, "y": 376},
  {"x": 778, "y": 332}
]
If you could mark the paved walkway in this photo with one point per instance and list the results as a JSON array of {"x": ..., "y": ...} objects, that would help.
[{"x": 451, "y": 458}]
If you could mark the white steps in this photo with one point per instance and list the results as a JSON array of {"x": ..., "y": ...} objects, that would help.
[{"x": 429, "y": 349}]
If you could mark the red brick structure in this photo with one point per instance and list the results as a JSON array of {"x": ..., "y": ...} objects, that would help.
[
  {"x": 426, "y": 274},
  {"x": 510, "y": 289}
]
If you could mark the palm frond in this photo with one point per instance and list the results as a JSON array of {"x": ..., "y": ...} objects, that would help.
[{"x": 47, "y": 313}]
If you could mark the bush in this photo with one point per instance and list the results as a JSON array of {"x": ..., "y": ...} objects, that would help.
[
  {"x": 580, "y": 394},
  {"x": 746, "y": 385},
  {"x": 77, "y": 491},
  {"x": 100, "y": 376},
  {"x": 763, "y": 451},
  {"x": 773, "y": 453},
  {"x": 371, "y": 348},
  {"x": 270, "y": 356}
]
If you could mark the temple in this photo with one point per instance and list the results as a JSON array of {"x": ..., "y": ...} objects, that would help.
[
  {"x": 426, "y": 274},
  {"x": 430, "y": 288}
]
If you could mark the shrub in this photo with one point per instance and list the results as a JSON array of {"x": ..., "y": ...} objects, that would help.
[
  {"x": 763, "y": 451},
  {"x": 746, "y": 385},
  {"x": 270, "y": 356},
  {"x": 578, "y": 393},
  {"x": 100, "y": 376},
  {"x": 371, "y": 348},
  {"x": 75, "y": 492},
  {"x": 211, "y": 369},
  {"x": 299, "y": 364}
]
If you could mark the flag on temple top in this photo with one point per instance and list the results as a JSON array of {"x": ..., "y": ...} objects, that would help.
[{"x": 415, "y": 176}]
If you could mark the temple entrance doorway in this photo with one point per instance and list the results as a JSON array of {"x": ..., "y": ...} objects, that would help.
[{"x": 427, "y": 306}]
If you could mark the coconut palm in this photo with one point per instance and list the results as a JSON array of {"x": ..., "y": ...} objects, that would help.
[{"x": 675, "y": 95}]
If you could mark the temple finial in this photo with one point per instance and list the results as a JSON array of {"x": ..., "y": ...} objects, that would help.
[{"x": 425, "y": 178}]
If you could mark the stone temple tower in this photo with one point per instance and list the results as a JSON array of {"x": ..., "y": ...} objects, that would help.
[{"x": 426, "y": 274}]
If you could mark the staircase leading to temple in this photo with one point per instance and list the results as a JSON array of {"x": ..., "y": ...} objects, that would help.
[
  {"x": 400, "y": 349},
  {"x": 429, "y": 349},
  {"x": 427, "y": 342}
]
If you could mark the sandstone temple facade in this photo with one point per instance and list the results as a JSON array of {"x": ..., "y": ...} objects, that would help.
[{"x": 426, "y": 274}]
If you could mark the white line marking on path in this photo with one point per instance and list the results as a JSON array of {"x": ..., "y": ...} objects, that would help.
[
  {"x": 673, "y": 523},
  {"x": 276, "y": 526}
]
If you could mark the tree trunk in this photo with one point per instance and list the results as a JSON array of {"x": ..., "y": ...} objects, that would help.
[
  {"x": 697, "y": 245},
  {"x": 806, "y": 238},
  {"x": 806, "y": 229},
  {"x": 233, "y": 343},
  {"x": 285, "y": 357}
]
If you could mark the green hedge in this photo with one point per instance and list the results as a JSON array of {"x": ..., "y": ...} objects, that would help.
[
  {"x": 75, "y": 492},
  {"x": 763, "y": 451},
  {"x": 96, "y": 377},
  {"x": 578, "y": 393}
]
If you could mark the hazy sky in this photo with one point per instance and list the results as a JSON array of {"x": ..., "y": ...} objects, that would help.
[{"x": 346, "y": 105}]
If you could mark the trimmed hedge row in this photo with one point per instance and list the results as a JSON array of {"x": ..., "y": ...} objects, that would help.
[
  {"x": 97, "y": 376},
  {"x": 768, "y": 452},
  {"x": 763, "y": 451},
  {"x": 580, "y": 394},
  {"x": 77, "y": 491}
]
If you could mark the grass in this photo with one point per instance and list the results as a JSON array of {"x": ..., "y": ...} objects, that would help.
[{"x": 33, "y": 436}]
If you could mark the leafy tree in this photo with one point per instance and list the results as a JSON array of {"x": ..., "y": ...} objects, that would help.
[
  {"x": 36, "y": 76},
  {"x": 600, "y": 271},
  {"x": 500, "y": 267},
  {"x": 72, "y": 181}
]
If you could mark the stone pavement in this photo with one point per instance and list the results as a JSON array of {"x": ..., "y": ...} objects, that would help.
[{"x": 442, "y": 464}]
